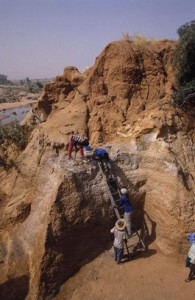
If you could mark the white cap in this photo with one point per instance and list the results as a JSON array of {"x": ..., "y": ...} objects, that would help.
[{"x": 123, "y": 191}]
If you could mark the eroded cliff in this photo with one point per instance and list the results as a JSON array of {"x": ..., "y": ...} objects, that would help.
[{"x": 56, "y": 213}]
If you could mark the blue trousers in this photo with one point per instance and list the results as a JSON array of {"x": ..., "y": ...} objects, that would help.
[{"x": 118, "y": 254}]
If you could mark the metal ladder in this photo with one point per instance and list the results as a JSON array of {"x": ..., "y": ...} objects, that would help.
[{"x": 114, "y": 195}]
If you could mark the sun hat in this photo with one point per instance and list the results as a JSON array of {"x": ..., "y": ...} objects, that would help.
[
  {"x": 120, "y": 224},
  {"x": 123, "y": 191}
]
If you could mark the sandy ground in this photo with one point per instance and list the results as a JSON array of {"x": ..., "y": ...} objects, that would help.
[
  {"x": 23, "y": 102},
  {"x": 149, "y": 276}
]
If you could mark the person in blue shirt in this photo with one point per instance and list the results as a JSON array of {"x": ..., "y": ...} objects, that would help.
[
  {"x": 100, "y": 153},
  {"x": 128, "y": 207}
]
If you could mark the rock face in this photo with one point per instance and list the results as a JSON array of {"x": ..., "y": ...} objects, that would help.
[{"x": 56, "y": 213}]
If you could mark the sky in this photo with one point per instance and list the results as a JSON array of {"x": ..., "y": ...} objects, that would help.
[{"x": 38, "y": 38}]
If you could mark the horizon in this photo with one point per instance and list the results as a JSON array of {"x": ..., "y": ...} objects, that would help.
[{"x": 39, "y": 38}]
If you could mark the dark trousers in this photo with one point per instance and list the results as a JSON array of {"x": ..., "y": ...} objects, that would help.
[
  {"x": 192, "y": 272},
  {"x": 118, "y": 254},
  {"x": 192, "y": 268}
]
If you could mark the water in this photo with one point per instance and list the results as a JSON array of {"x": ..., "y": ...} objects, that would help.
[{"x": 13, "y": 114}]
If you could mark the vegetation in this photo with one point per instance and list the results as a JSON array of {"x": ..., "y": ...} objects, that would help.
[
  {"x": 33, "y": 86},
  {"x": 127, "y": 37},
  {"x": 186, "y": 28},
  {"x": 39, "y": 84},
  {"x": 13, "y": 139},
  {"x": 137, "y": 39},
  {"x": 13, "y": 133},
  {"x": 184, "y": 63},
  {"x": 143, "y": 43},
  {"x": 4, "y": 80}
]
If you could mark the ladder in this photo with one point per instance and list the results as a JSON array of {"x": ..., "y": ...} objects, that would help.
[{"x": 114, "y": 195}]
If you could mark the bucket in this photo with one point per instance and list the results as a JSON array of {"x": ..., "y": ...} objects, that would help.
[
  {"x": 88, "y": 148},
  {"x": 191, "y": 238}
]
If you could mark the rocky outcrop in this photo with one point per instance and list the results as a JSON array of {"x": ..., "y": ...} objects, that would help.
[
  {"x": 52, "y": 226},
  {"x": 55, "y": 213}
]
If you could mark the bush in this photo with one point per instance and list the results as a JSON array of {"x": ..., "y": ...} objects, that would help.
[
  {"x": 185, "y": 59},
  {"x": 189, "y": 26},
  {"x": 184, "y": 64},
  {"x": 13, "y": 133},
  {"x": 185, "y": 96}
]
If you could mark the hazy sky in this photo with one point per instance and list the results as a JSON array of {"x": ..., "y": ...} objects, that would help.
[{"x": 38, "y": 38}]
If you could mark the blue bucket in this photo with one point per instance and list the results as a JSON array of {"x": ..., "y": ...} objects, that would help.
[
  {"x": 88, "y": 148},
  {"x": 191, "y": 238}
]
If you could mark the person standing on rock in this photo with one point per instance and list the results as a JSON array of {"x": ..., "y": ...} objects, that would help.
[
  {"x": 119, "y": 237},
  {"x": 128, "y": 207},
  {"x": 78, "y": 142},
  {"x": 190, "y": 260}
]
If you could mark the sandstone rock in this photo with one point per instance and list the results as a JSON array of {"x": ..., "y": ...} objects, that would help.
[{"x": 56, "y": 213}]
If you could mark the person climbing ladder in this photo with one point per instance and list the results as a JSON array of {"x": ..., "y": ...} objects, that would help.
[
  {"x": 128, "y": 207},
  {"x": 102, "y": 156}
]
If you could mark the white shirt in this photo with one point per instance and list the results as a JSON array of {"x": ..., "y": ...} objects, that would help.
[
  {"x": 191, "y": 253},
  {"x": 119, "y": 236}
]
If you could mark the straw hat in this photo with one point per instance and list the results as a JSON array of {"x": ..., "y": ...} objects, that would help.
[{"x": 120, "y": 224}]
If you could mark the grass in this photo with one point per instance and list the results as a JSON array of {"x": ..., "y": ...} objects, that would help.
[{"x": 142, "y": 42}]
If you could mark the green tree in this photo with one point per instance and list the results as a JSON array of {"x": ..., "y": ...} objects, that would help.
[
  {"x": 189, "y": 26},
  {"x": 39, "y": 84},
  {"x": 184, "y": 62}
]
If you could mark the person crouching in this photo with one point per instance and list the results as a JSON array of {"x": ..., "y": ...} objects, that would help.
[{"x": 78, "y": 142}]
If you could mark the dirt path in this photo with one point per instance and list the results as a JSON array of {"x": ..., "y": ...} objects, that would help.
[{"x": 150, "y": 276}]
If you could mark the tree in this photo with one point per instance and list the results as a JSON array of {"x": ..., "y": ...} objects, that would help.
[
  {"x": 4, "y": 80},
  {"x": 189, "y": 26},
  {"x": 28, "y": 81},
  {"x": 185, "y": 54},
  {"x": 39, "y": 84},
  {"x": 184, "y": 62},
  {"x": 29, "y": 84}
]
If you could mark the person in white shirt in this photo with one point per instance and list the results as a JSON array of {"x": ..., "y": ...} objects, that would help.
[
  {"x": 119, "y": 237},
  {"x": 190, "y": 262}
]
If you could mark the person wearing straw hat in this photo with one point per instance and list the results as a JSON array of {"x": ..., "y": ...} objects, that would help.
[{"x": 119, "y": 237}]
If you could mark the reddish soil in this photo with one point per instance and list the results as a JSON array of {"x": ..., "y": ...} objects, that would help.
[{"x": 149, "y": 276}]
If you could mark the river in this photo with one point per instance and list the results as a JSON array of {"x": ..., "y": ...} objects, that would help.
[{"x": 17, "y": 113}]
